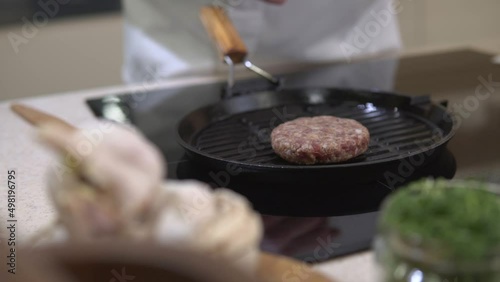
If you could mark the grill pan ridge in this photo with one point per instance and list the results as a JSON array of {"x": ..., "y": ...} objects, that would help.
[{"x": 246, "y": 137}]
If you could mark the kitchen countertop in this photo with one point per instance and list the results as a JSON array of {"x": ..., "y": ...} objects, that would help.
[{"x": 450, "y": 76}]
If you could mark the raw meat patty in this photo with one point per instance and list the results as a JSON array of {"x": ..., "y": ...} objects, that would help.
[{"x": 322, "y": 139}]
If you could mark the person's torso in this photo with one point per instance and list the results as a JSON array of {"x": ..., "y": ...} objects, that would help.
[{"x": 169, "y": 33}]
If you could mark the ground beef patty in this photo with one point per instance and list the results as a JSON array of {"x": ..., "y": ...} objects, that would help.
[{"x": 322, "y": 139}]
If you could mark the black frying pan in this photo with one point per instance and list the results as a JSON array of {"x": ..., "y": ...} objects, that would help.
[{"x": 234, "y": 134}]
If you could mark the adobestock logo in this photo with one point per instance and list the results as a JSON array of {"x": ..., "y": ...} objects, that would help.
[
  {"x": 361, "y": 37},
  {"x": 325, "y": 249},
  {"x": 31, "y": 27},
  {"x": 457, "y": 114},
  {"x": 485, "y": 88},
  {"x": 90, "y": 139},
  {"x": 121, "y": 276}
]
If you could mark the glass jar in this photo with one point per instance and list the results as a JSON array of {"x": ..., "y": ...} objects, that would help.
[
  {"x": 400, "y": 261},
  {"x": 408, "y": 259}
]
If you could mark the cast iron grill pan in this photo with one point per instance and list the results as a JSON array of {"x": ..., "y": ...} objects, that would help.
[{"x": 235, "y": 133}]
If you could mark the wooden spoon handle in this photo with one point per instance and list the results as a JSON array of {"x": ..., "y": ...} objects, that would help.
[
  {"x": 223, "y": 32},
  {"x": 37, "y": 117}
]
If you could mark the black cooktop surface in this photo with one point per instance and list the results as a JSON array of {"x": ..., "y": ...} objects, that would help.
[{"x": 297, "y": 222}]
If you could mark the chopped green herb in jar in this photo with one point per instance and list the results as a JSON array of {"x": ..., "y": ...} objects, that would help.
[{"x": 459, "y": 221}]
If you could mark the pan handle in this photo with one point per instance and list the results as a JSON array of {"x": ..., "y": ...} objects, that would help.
[
  {"x": 223, "y": 32},
  {"x": 230, "y": 45}
]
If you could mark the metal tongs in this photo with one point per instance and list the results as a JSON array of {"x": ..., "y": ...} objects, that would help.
[{"x": 230, "y": 45}]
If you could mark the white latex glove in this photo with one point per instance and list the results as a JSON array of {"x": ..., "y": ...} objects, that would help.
[
  {"x": 219, "y": 222},
  {"x": 108, "y": 180}
]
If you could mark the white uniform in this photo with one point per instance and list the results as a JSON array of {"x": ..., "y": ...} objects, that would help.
[{"x": 166, "y": 37}]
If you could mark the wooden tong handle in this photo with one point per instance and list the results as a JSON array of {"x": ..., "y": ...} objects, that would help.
[
  {"x": 223, "y": 32},
  {"x": 37, "y": 117}
]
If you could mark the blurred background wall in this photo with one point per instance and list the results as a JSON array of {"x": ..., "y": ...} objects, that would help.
[{"x": 82, "y": 46}]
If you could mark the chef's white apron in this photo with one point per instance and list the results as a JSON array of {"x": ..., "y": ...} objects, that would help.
[{"x": 165, "y": 37}]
